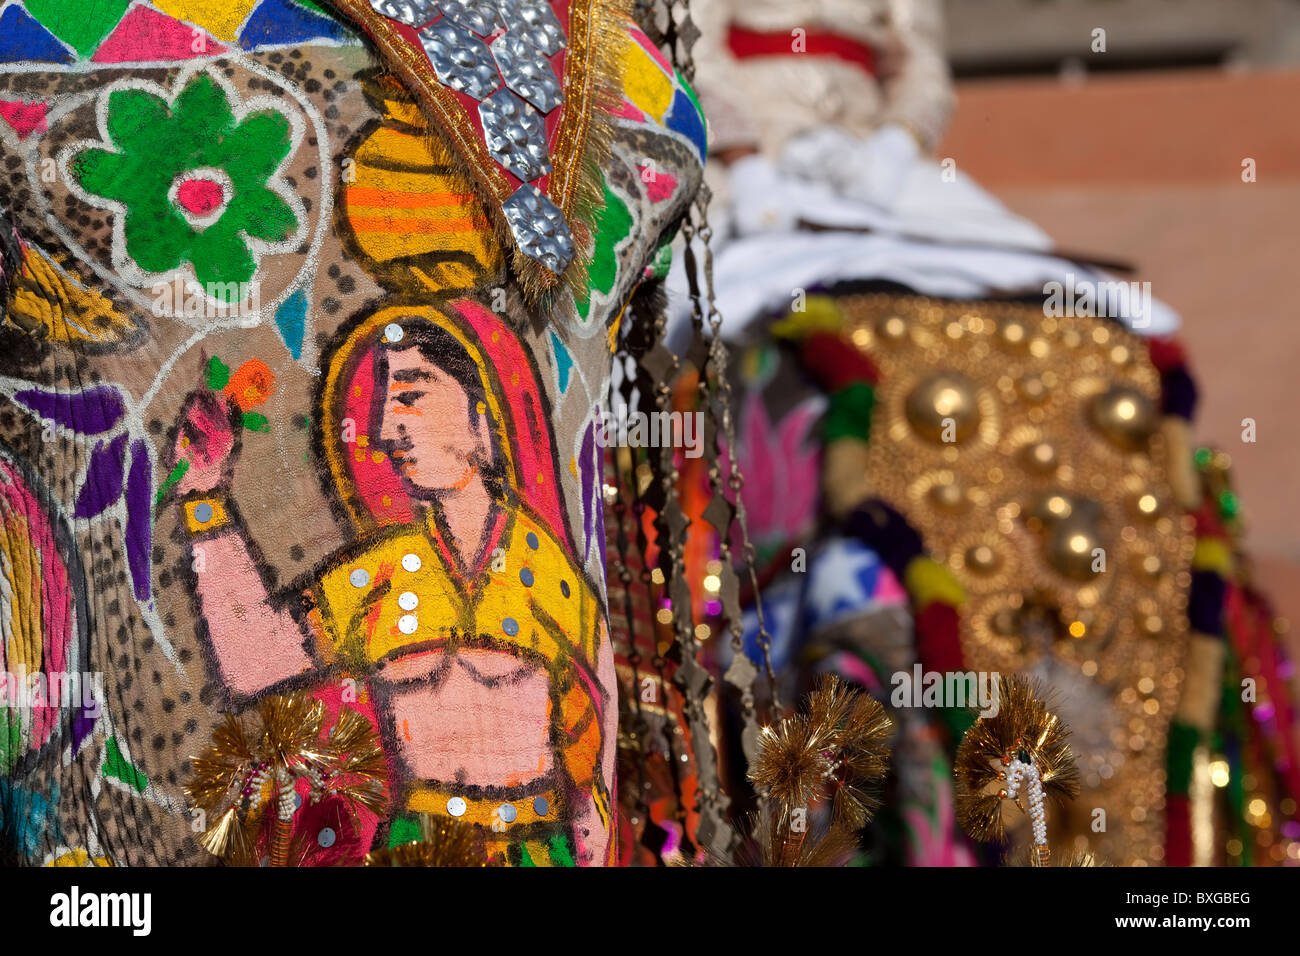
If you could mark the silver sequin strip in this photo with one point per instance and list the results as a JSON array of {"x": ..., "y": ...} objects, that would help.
[
  {"x": 527, "y": 71},
  {"x": 515, "y": 134},
  {"x": 539, "y": 228}
]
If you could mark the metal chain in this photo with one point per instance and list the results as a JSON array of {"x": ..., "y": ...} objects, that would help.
[
  {"x": 640, "y": 729},
  {"x": 671, "y": 730},
  {"x": 624, "y": 490},
  {"x": 690, "y": 677},
  {"x": 721, "y": 391},
  {"x": 715, "y": 384}
]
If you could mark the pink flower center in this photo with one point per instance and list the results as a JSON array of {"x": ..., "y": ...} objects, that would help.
[{"x": 199, "y": 197}]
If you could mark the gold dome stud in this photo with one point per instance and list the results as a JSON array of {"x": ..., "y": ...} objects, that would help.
[
  {"x": 1148, "y": 619},
  {"x": 1151, "y": 566},
  {"x": 1052, "y": 507},
  {"x": 1013, "y": 333},
  {"x": 943, "y": 406},
  {"x": 1032, "y": 389},
  {"x": 1124, "y": 416},
  {"x": 981, "y": 559},
  {"x": 1152, "y": 625},
  {"x": 893, "y": 329},
  {"x": 1005, "y": 622},
  {"x": 1070, "y": 548},
  {"x": 1072, "y": 532},
  {"x": 1040, "y": 457},
  {"x": 1147, "y": 505},
  {"x": 948, "y": 496}
]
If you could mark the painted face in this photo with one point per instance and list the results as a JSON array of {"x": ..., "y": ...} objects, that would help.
[{"x": 427, "y": 428}]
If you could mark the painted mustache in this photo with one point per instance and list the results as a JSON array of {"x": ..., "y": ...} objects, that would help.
[{"x": 402, "y": 459}]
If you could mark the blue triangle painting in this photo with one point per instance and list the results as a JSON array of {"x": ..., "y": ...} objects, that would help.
[
  {"x": 22, "y": 38},
  {"x": 291, "y": 320},
  {"x": 280, "y": 21},
  {"x": 684, "y": 118},
  {"x": 563, "y": 361}
]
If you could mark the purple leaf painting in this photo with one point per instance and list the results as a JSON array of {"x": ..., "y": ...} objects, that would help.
[
  {"x": 138, "y": 528},
  {"x": 600, "y": 524},
  {"x": 587, "y": 470},
  {"x": 89, "y": 412},
  {"x": 82, "y": 725},
  {"x": 103, "y": 483}
]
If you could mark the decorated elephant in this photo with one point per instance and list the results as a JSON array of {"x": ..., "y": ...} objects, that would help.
[{"x": 308, "y": 308}]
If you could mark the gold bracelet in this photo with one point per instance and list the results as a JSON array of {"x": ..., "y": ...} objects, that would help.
[{"x": 204, "y": 514}]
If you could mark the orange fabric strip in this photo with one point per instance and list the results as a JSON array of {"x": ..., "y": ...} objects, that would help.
[
  {"x": 414, "y": 226},
  {"x": 367, "y": 196}
]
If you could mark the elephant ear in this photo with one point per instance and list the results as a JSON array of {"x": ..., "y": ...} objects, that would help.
[
  {"x": 521, "y": 93},
  {"x": 42, "y": 625}
]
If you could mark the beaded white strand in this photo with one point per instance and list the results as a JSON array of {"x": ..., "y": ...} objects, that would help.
[
  {"x": 285, "y": 805},
  {"x": 1026, "y": 773}
]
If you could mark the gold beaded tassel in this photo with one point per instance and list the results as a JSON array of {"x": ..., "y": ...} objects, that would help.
[
  {"x": 248, "y": 772},
  {"x": 1021, "y": 756}
]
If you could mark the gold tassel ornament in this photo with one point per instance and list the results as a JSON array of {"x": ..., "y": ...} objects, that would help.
[
  {"x": 762, "y": 842},
  {"x": 1019, "y": 756},
  {"x": 859, "y": 732},
  {"x": 838, "y": 751},
  {"x": 1030, "y": 856},
  {"x": 442, "y": 842},
  {"x": 792, "y": 763},
  {"x": 253, "y": 765}
]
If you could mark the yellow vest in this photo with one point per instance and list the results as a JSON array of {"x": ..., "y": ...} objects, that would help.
[{"x": 400, "y": 590}]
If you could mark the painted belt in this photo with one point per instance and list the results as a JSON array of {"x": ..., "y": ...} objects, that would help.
[
  {"x": 492, "y": 813},
  {"x": 750, "y": 43}
]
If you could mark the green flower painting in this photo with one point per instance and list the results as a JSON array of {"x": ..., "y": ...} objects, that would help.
[{"x": 193, "y": 180}]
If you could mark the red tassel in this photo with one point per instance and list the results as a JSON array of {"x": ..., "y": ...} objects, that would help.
[
  {"x": 1178, "y": 830},
  {"x": 1166, "y": 353},
  {"x": 938, "y": 637},
  {"x": 1208, "y": 524},
  {"x": 834, "y": 361}
]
